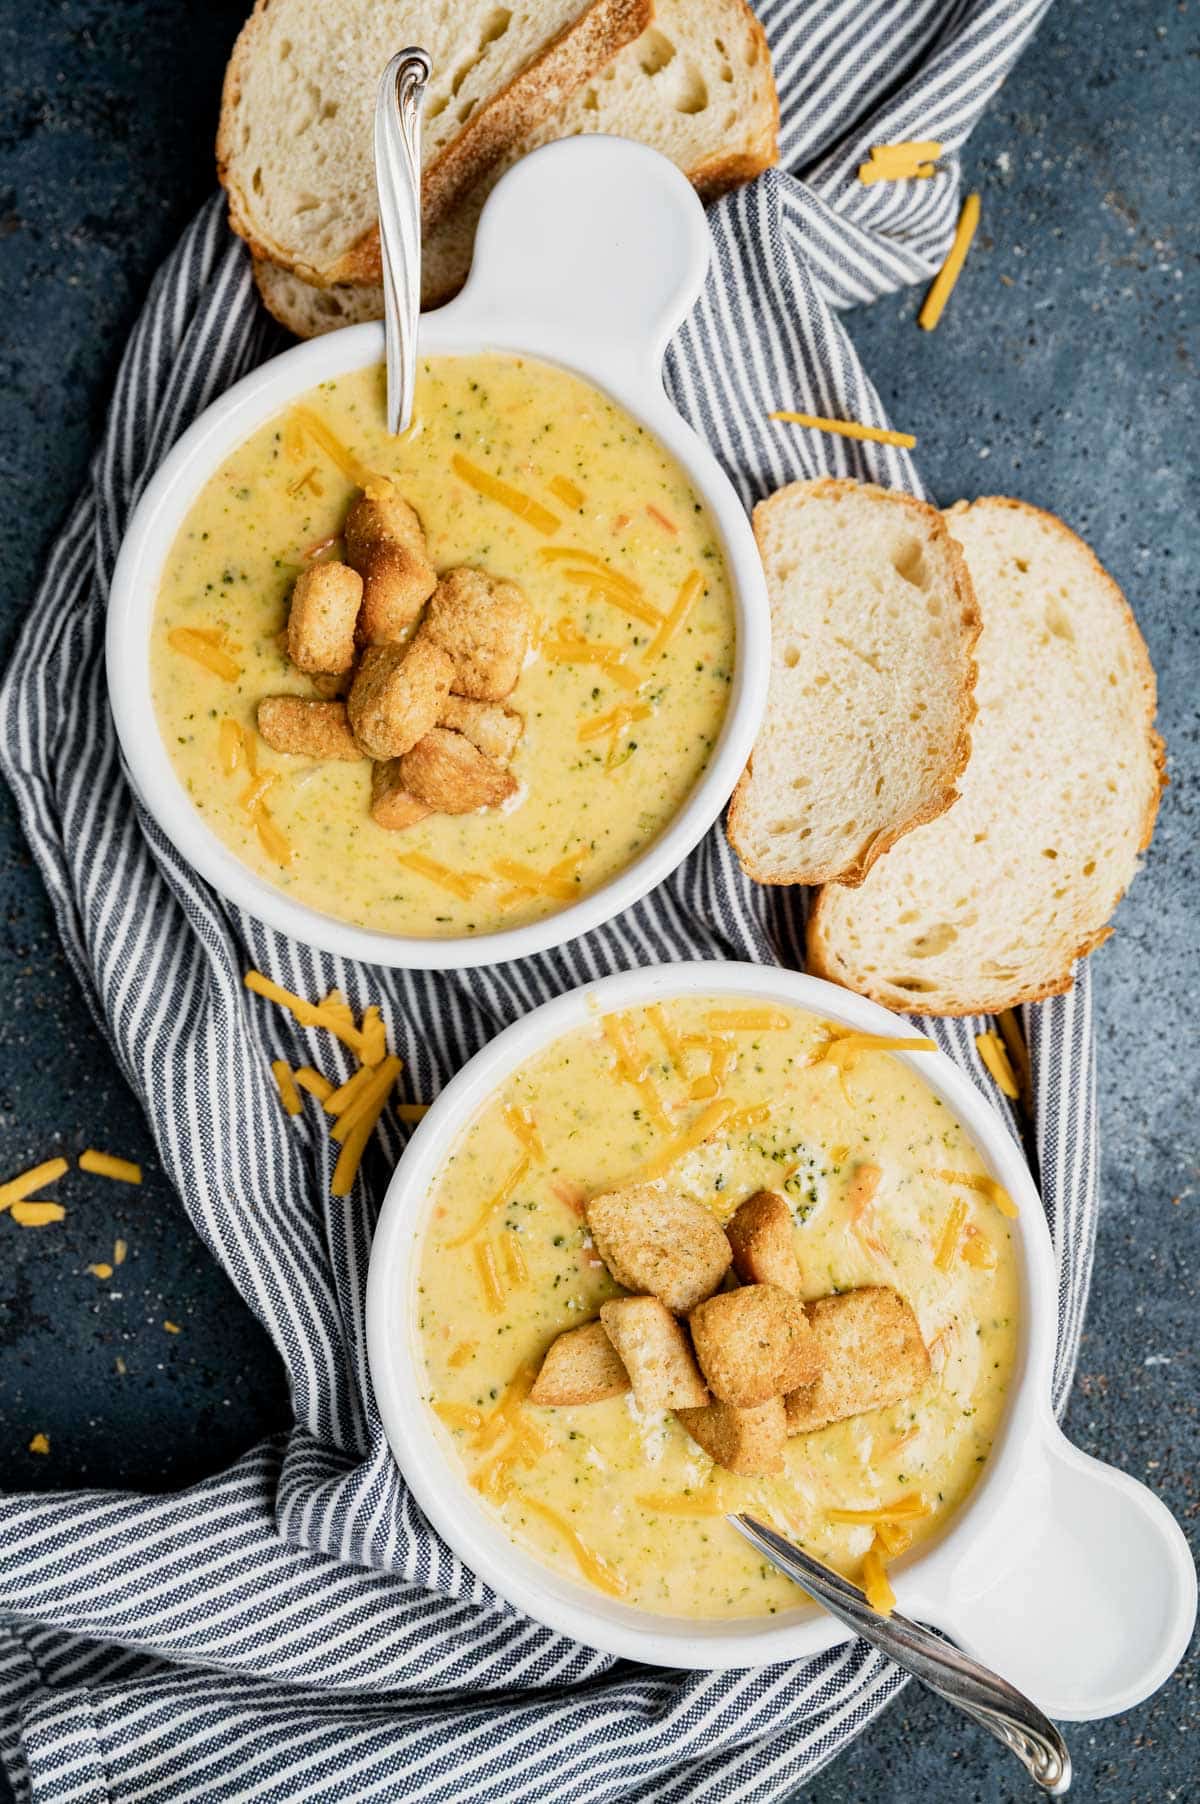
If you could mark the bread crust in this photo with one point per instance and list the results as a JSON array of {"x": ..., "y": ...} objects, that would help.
[
  {"x": 820, "y": 960},
  {"x": 578, "y": 51},
  {"x": 833, "y": 487}
]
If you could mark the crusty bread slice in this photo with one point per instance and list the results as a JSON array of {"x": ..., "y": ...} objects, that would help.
[
  {"x": 868, "y": 717},
  {"x": 295, "y": 142},
  {"x": 992, "y": 904},
  {"x": 696, "y": 85}
]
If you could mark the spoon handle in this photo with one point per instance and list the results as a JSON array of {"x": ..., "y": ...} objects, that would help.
[
  {"x": 1010, "y": 1716},
  {"x": 398, "y": 183}
]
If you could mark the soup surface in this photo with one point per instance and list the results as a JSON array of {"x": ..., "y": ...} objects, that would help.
[
  {"x": 623, "y": 697},
  {"x": 726, "y": 1098}
]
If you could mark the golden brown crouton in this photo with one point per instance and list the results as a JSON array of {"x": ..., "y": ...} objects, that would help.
[
  {"x": 492, "y": 728},
  {"x": 331, "y": 684},
  {"x": 381, "y": 516},
  {"x": 320, "y": 631},
  {"x": 753, "y": 1343},
  {"x": 397, "y": 695},
  {"x": 870, "y": 1355},
  {"x": 654, "y": 1240},
  {"x": 581, "y": 1366},
  {"x": 396, "y": 585},
  {"x": 484, "y": 625},
  {"x": 764, "y": 1241},
  {"x": 655, "y": 1352},
  {"x": 391, "y": 805},
  {"x": 446, "y": 772},
  {"x": 290, "y": 723},
  {"x": 749, "y": 1442}
]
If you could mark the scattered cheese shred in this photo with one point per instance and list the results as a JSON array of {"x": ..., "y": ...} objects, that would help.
[
  {"x": 593, "y": 1565},
  {"x": 661, "y": 519},
  {"x": 617, "y": 591},
  {"x": 505, "y": 1414},
  {"x": 942, "y": 285},
  {"x": 978, "y": 1250},
  {"x": 952, "y": 1227},
  {"x": 38, "y": 1212},
  {"x": 874, "y": 435},
  {"x": 905, "y": 1509},
  {"x": 689, "y": 589},
  {"x": 542, "y": 883},
  {"x": 308, "y": 1014},
  {"x": 515, "y": 1267},
  {"x": 992, "y": 1051},
  {"x": 707, "y": 1122},
  {"x": 1018, "y": 1052},
  {"x": 344, "y": 1095},
  {"x": 312, "y": 1081},
  {"x": 569, "y": 647},
  {"x": 230, "y": 746},
  {"x": 495, "y": 1203},
  {"x": 172, "y": 1328},
  {"x": 566, "y": 491},
  {"x": 564, "y": 868},
  {"x": 367, "y": 1110},
  {"x": 462, "y": 884},
  {"x": 461, "y": 1354},
  {"x": 369, "y": 1101},
  {"x": 412, "y": 1111},
  {"x": 494, "y": 488},
  {"x": 634, "y": 1068},
  {"x": 40, "y": 1444},
  {"x": 489, "y": 1277},
  {"x": 374, "y": 1036},
  {"x": 666, "y": 1504},
  {"x": 26, "y": 1182},
  {"x": 107, "y": 1165},
  {"x": 302, "y": 422},
  {"x": 102, "y": 1269},
  {"x": 893, "y": 1538},
  {"x": 194, "y": 645},
  {"x": 523, "y": 1127},
  {"x": 274, "y": 843},
  {"x": 876, "y": 1587},
  {"x": 119, "y": 1252},
  {"x": 459, "y": 1415},
  {"x": 665, "y": 1031},
  {"x": 985, "y": 1185},
  {"x": 899, "y": 162},
  {"x": 747, "y": 1020},
  {"x": 289, "y": 1096}
]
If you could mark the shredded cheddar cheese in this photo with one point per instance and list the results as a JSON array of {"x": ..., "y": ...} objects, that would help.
[
  {"x": 193, "y": 644},
  {"x": 874, "y": 435},
  {"x": 495, "y": 1203},
  {"x": 566, "y": 491},
  {"x": 899, "y": 162},
  {"x": 119, "y": 1252},
  {"x": 747, "y": 1020},
  {"x": 344, "y": 1095},
  {"x": 40, "y": 1444},
  {"x": 504, "y": 1416},
  {"x": 230, "y": 745},
  {"x": 273, "y": 842},
  {"x": 992, "y": 1051},
  {"x": 707, "y": 1122},
  {"x": 494, "y": 488},
  {"x": 943, "y": 283},
  {"x": 515, "y": 1268},
  {"x": 569, "y": 647},
  {"x": 412, "y": 1111},
  {"x": 489, "y": 1277},
  {"x": 302, "y": 423},
  {"x": 665, "y": 1032},
  {"x": 172, "y": 1328},
  {"x": 593, "y": 1565},
  {"x": 106, "y": 1165},
  {"x": 893, "y": 1538},
  {"x": 367, "y": 1103},
  {"x": 905, "y": 1509},
  {"x": 461, "y": 1354},
  {"x": 1018, "y": 1052},
  {"x": 459, "y": 1415},
  {"x": 634, "y": 1068},
  {"x": 977, "y": 1250},
  {"x": 462, "y": 884},
  {"x": 26, "y": 1182},
  {"x": 986, "y": 1186},
  {"x": 619, "y": 593},
  {"x": 102, "y": 1269},
  {"x": 947, "y": 1244},
  {"x": 374, "y": 1036},
  {"x": 564, "y": 868},
  {"x": 542, "y": 883},
  {"x": 876, "y": 1587},
  {"x": 665, "y": 1504},
  {"x": 312, "y": 1081},
  {"x": 308, "y": 1014},
  {"x": 661, "y": 519},
  {"x": 523, "y": 1127},
  {"x": 289, "y": 1096},
  {"x": 689, "y": 589}
]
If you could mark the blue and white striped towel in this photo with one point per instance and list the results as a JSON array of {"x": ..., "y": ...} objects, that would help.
[{"x": 291, "y": 1629}]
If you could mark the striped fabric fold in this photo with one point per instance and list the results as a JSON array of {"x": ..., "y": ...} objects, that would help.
[{"x": 290, "y": 1628}]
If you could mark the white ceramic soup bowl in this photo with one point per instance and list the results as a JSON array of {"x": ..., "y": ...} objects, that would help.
[
  {"x": 1068, "y": 1577},
  {"x": 588, "y": 255}
]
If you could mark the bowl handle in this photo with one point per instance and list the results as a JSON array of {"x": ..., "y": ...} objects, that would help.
[
  {"x": 593, "y": 249},
  {"x": 1092, "y": 1600}
]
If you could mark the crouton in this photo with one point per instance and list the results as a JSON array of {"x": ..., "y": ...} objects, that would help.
[
  {"x": 655, "y": 1241},
  {"x": 446, "y": 772},
  {"x": 492, "y": 728},
  {"x": 397, "y": 695},
  {"x": 484, "y": 625},
  {"x": 753, "y": 1343},
  {"x": 749, "y": 1442},
  {"x": 655, "y": 1352},
  {"x": 396, "y": 586},
  {"x": 764, "y": 1242},
  {"x": 331, "y": 685},
  {"x": 581, "y": 1366},
  {"x": 320, "y": 630},
  {"x": 391, "y": 805},
  {"x": 870, "y": 1355},
  {"x": 381, "y": 516},
  {"x": 290, "y": 723}
]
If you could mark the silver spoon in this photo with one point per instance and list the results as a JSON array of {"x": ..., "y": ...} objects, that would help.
[
  {"x": 398, "y": 185},
  {"x": 983, "y": 1695}
]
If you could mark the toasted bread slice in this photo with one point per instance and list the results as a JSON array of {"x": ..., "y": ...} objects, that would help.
[
  {"x": 696, "y": 85},
  {"x": 655, "y": 1352},
  {"x": 581, "y": 1366},
  {"x": 749, "y": 1442},
  {"x": 659, "y": 1243},
  {"x": 295, "y": 142},
  {"x": 763, "y": 1240},
  {"x": 992, "y": 904},
  {"x": 867, "y": 726},
  {"x": 752, "y": 1344},
  {"x": 869, "y": 1354}
]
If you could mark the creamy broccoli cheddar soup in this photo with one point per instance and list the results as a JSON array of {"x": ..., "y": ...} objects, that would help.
[
  {"x": 540, "y": 505},
  {"x": 708, "y": 1102}
]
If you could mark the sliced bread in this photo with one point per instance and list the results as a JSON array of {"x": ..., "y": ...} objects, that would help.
[
  {"x": 992, "y": 904},
  {"x": 295, "y": 143},
  {"x": 696, "y": 85},
  {"x": 868, "y": 717}
]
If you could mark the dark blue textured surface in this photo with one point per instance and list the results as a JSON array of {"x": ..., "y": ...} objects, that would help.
[{"x": 1060, "y": 373}]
